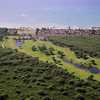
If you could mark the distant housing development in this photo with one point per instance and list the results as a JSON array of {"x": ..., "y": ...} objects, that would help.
[{"x": 43, "y": 33}]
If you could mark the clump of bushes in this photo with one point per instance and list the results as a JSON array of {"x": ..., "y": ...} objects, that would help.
[
  {"x": 45, "y": 50},
  {"x": 56, "y": 60}
]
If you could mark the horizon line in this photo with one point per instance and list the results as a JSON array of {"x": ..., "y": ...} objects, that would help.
[{"x": 49, "y": 26}]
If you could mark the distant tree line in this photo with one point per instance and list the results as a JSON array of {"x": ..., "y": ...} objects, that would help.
[{"x": 3, "y": 32}]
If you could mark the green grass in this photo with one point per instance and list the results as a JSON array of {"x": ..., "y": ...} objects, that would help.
[
  {"x": 10, "y": 42},
  {"x": 27, "y": 48},
  {"x": 88, "y": 43}
]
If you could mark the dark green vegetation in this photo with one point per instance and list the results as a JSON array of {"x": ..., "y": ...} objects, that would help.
[
  {"x": 44, "y": 49},
  {"x": 82, "y": 46},
  {"x": 3, "y": 32},
  {"x": 26, "y": 78}
]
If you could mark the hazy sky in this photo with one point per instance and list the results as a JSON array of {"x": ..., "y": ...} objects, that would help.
[{"x": 50, "y": 12}]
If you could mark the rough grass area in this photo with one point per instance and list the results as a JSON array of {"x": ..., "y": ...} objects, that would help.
[{"x": 26, "y": 78}]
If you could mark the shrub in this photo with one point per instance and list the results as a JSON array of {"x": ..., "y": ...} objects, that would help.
[
  {"x": 57, "y": 61},
  {"x": 93, "y": 62},
  {"x": 42, "y": 48},
  {"x": 34, "y": 48},
  {"x": 61, "y": 54},
  {"x": 51, "y": 49}
]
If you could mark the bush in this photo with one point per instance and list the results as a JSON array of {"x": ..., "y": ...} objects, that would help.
[
  {"x": 51, "y": 50},
  {"x": 61, "y": 54},
  {"x": 34, "y": 48},
  {"x": 45, "y": 50},
  {"x": 42, "y": 48},
  {"x": 57, "y": 61},
  {"x": 93, "y": 62}
]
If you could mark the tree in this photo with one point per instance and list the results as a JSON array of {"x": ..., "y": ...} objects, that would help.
[{"x": 37, "y": 32}]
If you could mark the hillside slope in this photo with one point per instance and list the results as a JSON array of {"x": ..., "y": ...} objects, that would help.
[
  {"x": 70, "y": 56},
  {"x": 26, "y": 78}
]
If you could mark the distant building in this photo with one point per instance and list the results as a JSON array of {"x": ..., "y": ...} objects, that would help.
[
  {"x": 24, "y": 30},
  {"x": 95, "y": 28},
  {"x": 43, "y": 33}
]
